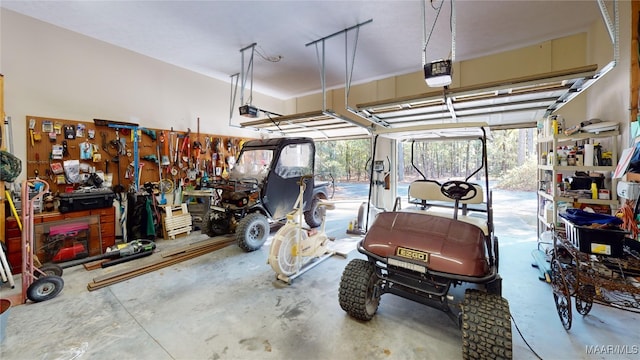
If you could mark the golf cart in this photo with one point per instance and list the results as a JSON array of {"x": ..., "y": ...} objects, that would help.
[
  {"x": 263, "y": 187},
  {"x": 440, "y": 251}
]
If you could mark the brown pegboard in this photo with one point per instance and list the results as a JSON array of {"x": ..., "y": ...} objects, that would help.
[{"x": 152, "y": 144}]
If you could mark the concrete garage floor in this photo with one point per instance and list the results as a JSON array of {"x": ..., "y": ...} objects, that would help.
[{"x": 228, "y": 305}]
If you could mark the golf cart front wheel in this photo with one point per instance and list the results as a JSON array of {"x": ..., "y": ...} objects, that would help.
[
  {"x": 359, "y": 293},
  {"x": 45, "y": 288},
  {"x": 486, "y": 326}
]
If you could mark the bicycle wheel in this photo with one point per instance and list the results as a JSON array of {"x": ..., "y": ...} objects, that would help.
[{"x": 561, "y": 293}]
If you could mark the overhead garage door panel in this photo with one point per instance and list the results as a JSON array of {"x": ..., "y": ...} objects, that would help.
[{"x": 507, "y": 103}]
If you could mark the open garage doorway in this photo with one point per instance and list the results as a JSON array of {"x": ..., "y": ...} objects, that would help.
[
  {"x": 512, "y": 173},
  {"x": 512, "y": 170}
]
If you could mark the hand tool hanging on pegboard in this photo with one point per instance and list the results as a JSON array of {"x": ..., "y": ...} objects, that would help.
[
  {"x": 185, "y": 149},
  {"x": 197, "y": 147},
  {"x": 165, "y": 149}
]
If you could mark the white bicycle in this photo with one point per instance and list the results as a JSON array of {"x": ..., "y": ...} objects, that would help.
[{"x": 294, "y": 245}]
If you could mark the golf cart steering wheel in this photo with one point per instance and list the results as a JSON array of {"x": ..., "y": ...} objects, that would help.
[{"x": 458, "y": 190}]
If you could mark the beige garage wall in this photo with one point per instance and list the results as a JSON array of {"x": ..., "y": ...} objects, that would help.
[
  {"x": 609, "y": 98},
  {"x": 53, "y": 72},
  {"x": 549, "y": 56},
  {"x": 56, "y": 73}
]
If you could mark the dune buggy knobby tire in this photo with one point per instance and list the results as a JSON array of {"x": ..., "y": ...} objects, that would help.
[
  {"x": 486, "y": 326},
  {"x": 252, "y": 232},
  {"x": 358, "y": 294},
  {"x": 313, "y": 217}
]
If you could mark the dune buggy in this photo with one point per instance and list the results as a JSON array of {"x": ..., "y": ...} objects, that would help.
[
  {"x": 443, "y": 240},
  {"x": 262, "y": 187}
]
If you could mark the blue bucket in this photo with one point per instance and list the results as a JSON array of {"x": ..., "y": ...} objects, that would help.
[{"x": 5, "y": 305}]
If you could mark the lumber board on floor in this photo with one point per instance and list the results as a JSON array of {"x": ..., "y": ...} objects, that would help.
[
  {"x": 195, "y": 246},
  {"x": 93, "y": 265},
  {"x": 129, "y": 273}
]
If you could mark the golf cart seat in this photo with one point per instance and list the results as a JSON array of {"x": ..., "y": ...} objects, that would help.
[{"x": 427, "y": 195}]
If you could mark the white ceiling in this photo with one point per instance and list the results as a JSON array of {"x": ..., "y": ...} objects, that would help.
[{"x": 206, "y": 36}]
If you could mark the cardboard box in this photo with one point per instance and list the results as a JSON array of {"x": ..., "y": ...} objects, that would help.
[
  {"x": 633, "y": 177},
  {"x": 603, "y": 194}
]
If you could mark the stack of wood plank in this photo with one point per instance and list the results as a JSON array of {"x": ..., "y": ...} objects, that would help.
[{"x": 165, "y": 258}]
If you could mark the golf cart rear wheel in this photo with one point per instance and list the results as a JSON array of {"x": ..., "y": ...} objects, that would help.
[
  {"x": 359, "y": 294},
  {"x": 45, "y": 288},
  {"x": 486, "y": 326},
  {"x": 252, "y": 232}
]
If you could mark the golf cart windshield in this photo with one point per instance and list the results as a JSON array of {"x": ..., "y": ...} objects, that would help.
[
  {"x": 444, "y": 160},
  {"x": 252, "y": 164}
]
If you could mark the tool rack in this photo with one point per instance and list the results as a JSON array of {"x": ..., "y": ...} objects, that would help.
[
  {"x": 594, "y": 266},
  {"x": 120, "y": 148}
]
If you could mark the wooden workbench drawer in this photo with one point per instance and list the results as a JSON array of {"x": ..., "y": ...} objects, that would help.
[
  {"x": 107, "y": 228},
  {"x": 104, "y": 211},
  {"x": 107, "y": 241},
  {"x": 14, "y": 244},
  {"x": 46, "y": 217},
  {"x": 15, "y": 261},
  {"x": 77, "y": 214}
]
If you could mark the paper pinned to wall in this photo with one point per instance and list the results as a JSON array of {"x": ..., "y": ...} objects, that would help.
[{"x": 623, "y": 163}]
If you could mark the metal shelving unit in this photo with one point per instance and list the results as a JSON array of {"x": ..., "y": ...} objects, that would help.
[
  {"x": 548, "y": 174},
  {"x": 551, "y": 143}
]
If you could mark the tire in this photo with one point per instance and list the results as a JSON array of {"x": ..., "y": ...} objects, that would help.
[
  {"x": 45, "y": 288},
  {"x": 252, "y": 232},
  {"x": 486, "y": 326},
  {"x": 359, "y": 293},
  {"x": 313, "y": 217},
  {"x": 49, "y": 269},
  {"x": 216, "y": 224}
]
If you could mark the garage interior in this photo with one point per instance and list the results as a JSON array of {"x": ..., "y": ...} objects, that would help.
[{"x": 326, "y": 70}]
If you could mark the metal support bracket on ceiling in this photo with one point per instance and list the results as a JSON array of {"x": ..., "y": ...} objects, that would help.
[
  {"x": 320, "y": 124},
  {"x": 242, "y": 77},
  {"x": 427, "y": 36},
  {"x": 507, "y": 103},
  {"x": 613, "y": 29},
  {"x": 320, "y": 54}
]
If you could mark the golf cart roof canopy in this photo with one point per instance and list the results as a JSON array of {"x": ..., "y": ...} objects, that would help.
[{"x": 442, "y": 131}]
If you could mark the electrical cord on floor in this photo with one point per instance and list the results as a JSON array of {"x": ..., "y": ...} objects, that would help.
[{"x": 523, "y": 339}]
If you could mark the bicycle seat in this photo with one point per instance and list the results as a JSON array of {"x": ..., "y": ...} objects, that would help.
[{"x": 327, "y": 204}]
